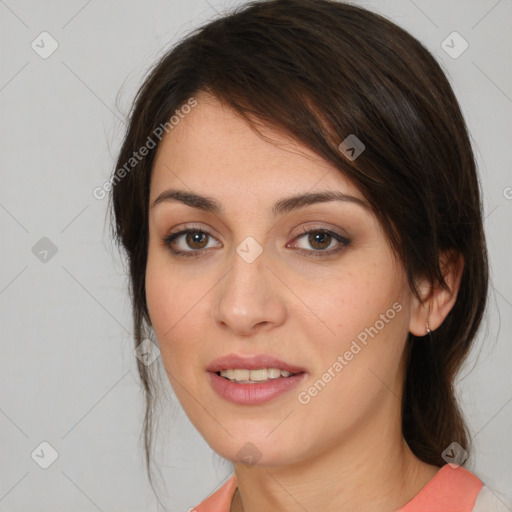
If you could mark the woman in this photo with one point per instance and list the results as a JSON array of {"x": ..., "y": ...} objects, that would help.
[{"x": 297, "y": 197}]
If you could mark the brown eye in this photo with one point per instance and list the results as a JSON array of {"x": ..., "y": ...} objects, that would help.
[
  {"x": 319, "y": 239},
  {"x": 189, "y": 242},
  {"x": 196, "y": 239},
  {"x": 321, "y": 242}
]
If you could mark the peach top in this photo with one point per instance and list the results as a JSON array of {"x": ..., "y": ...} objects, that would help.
[{"x": 452, "y": 489}]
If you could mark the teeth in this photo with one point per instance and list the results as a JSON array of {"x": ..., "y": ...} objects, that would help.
[{"x": 245, "y": 376}]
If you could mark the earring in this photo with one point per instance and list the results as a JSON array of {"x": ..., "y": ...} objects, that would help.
[{"x": 428, "y": 328}]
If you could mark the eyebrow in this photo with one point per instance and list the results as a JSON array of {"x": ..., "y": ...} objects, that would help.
[{"x": 285, "y": 205}]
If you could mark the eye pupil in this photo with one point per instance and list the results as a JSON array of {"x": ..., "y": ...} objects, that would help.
[
  {"x": 196, "y": 237},
  {"x": 320, "y": 237}
]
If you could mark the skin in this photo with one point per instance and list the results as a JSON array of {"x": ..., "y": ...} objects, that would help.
[{"x": 344, "y": 450}]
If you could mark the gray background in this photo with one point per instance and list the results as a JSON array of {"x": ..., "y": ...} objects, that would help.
[{"x": 67, "y": 366}]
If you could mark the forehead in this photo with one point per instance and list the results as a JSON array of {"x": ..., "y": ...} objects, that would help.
[{"x": 212, "y": 149}]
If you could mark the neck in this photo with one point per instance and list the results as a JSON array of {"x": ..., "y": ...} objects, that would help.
[{"x": 370, "y": 469}]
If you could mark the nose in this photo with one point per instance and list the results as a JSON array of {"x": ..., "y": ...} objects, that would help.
[{"x": 250, "y": 298}]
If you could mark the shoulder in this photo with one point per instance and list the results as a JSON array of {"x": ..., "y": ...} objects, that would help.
[
  {"x": 220, "y": 500},
  {"x": 488, "y": 501},
  {"x": 453, "y": 489}
]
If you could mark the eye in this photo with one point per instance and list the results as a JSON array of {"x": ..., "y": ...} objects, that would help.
[
  {"x": 195, "y": 238},
  {"x": 193, "y": 241},
  {"x": 322, "y": 241}
]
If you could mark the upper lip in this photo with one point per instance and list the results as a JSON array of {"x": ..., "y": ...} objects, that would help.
[{"x": 254, "y": 362}]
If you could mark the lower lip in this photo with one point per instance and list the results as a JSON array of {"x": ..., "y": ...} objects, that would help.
[{"x": 254, "y": 394}]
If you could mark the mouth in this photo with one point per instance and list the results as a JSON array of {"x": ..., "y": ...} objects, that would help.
[
  {"x": 257, "y": 376},
  {"x": 253, "y": 380},
  {"x": 258, "y": 364}
]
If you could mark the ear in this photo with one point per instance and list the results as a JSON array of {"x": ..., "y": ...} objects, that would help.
[{"x": 437, "y": 301}]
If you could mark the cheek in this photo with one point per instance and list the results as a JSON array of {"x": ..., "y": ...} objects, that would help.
[
  {"x": 168, "y": 309},
  {"x": 356, "y": 366},
  {"x": 344, "y": 306},
  {"x": 178, "y": 308},
  {"x": 167, "y": 303},
  {"x": 170, "y": 296},
  {"x": 358, "y": 323}
]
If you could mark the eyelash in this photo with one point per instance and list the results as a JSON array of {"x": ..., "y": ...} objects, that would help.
[{"x": 195, "y": 253}]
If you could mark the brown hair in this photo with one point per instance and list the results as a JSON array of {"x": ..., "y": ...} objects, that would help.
[{"x": 321, "y": 70}]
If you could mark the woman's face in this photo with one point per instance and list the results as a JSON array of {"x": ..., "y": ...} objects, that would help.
[{"x": 252, "y": 281}]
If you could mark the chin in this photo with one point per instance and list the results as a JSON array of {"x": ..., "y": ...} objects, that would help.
[{"x": 255, "y": 451}]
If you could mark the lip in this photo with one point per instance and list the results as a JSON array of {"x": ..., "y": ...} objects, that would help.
[
  {"x": 254, "y": 394},
  {"x": 254, "y": 362}
]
